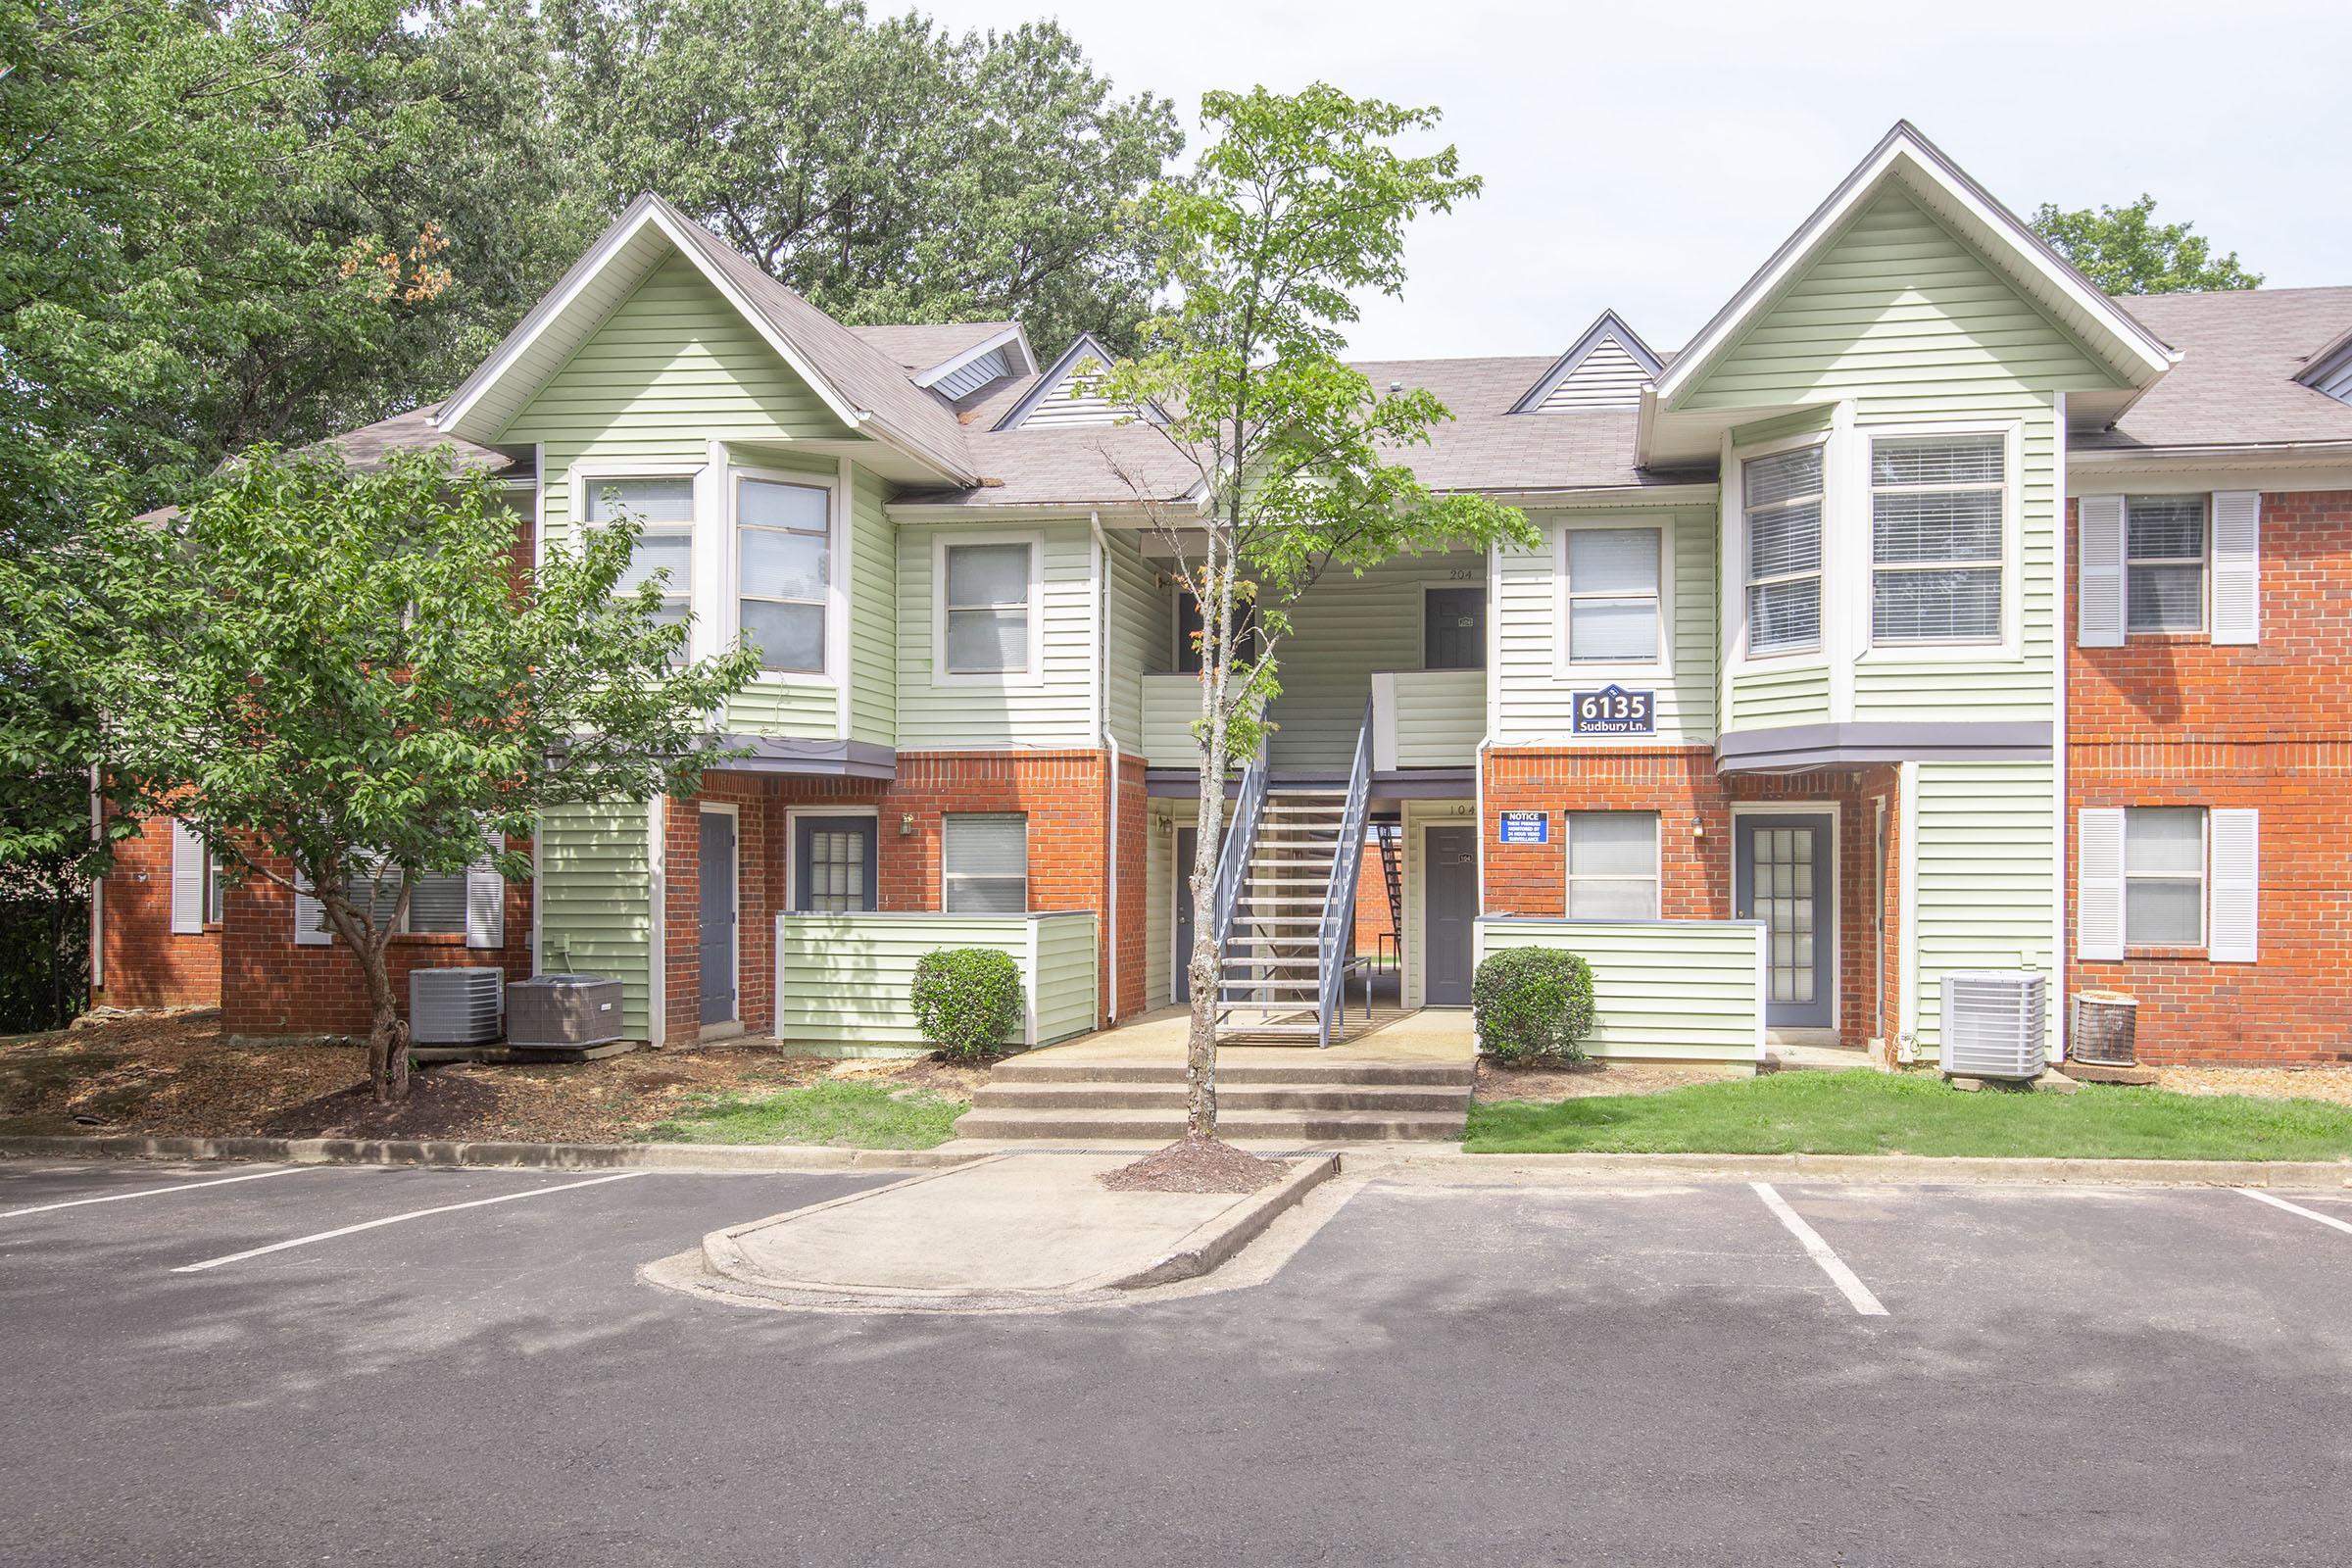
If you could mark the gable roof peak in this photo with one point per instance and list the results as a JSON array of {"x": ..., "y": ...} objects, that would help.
[
  {"x": 1063, "y": 397},
  {"x": 1606, "y": 367}
]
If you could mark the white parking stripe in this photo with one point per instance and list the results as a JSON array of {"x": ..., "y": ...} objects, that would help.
[
  {"x": 149, "y": 1192},
  {"x": 395, "y": 1219},
  {"x": 1819, "y": 1251},
  {"x": 2328, "y": 1220}
]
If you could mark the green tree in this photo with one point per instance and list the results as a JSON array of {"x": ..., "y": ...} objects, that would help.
[
  {"x": 345, "y": 681},
  {"x": 2123, "y": 252},
  {"x": 1298, "y": 209},
  {"x": 888, "y": 170}
]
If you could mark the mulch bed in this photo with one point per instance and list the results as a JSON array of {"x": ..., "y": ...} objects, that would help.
[
  {"x": 1194, "y": 1165},
  {"x": 172, "y": 1074},
  {"x": 1574, "y": 1079}
]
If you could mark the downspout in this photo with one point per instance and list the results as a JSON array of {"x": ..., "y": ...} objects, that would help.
[
  {"x": 1111, "y": 744},
  {"x": 2062, "y": 774}
]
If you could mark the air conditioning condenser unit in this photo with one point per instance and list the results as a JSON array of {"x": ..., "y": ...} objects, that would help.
[
  {"x": 1994, "y": 1023},
  {"x": 455, "y": 1007},
  {"x": 563, "y": 1011}
]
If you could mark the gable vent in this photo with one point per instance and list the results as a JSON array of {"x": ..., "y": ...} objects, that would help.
[
  {"x": 1064, "y": 398},
  {"x": 972, "y": 375},
  {"x": 1607, "y": 369}
]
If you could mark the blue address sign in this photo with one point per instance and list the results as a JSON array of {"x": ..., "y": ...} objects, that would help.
[
  {"x": 1524, "y": 827},
  {"x": 1614, "y": 710}
]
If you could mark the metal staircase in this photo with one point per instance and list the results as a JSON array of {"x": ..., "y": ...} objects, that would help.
[
  {"x": 1389, "y": 831},
  {"x": 1286, "y": 903}
]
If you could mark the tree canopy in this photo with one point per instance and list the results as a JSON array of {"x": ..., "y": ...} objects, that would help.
[
  {"x": 2123, "y": 251},
  {"x": 266, "y": 675}
]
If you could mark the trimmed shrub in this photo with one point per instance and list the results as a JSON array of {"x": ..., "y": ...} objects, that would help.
[
  {"x": 1529, "y": 1003},
  {"x": 967, "y": 999}
]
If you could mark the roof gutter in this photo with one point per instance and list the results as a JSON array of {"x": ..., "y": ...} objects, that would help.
[{"x": 2270, "y": 454}]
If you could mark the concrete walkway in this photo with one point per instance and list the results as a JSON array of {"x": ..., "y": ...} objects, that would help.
[
  {"x": 1433, "y": 1034},
  {"x": 1003, "y": 1233}
]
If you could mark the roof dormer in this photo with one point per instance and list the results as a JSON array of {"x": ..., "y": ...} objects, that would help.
[
  {"x": 1607, "y": 369},
  {"x": 1069, "y": 394}
]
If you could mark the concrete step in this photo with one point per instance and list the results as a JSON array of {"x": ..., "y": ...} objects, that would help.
[
  {"x": 1306, "y": 1126},
  {"x": 1310, "y": 1067},
  {"x": 1388, "y": 1097}
]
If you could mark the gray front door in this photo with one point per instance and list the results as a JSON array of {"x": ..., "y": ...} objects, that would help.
[
  {"x": 1187, "y": 840},
  {"x": 719, "y": 918},
  {"x": 1781, "y": 876},
  {"x": 1448, "y": 906}
]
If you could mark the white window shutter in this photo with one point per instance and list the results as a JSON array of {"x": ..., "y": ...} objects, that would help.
[
  {"x": 2236, "y": 849},
  {"x": 2237, "y": 567},
  {"x": 310, "y": 916},
  {"x": 187, "y": 880},
  {"x": 2099, "y": 884},
  {"x": 2099, "y": 565},
  {"x": 486, "y": 899}
]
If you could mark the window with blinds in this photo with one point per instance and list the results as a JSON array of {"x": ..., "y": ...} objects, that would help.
[
  {"x": 1935, "y": 526},
  {"x": 987, "y": 609},
  {"x": 783, "y": 544},
  {"x": 984, "y": 861},
  {"x": 2163, "y": 563},
  {"x": 1612, "y": 576},
  {"x": 2163, "y": 877},
  {"x": 664, "y": 510},
  {"x": 436, "y": 899},
  {"x": 1781, "y": 509},
  {"x": 1612, "y": 866}
]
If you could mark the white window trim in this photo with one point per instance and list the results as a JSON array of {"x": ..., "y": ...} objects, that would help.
[
  {"x": 792, "y": 850},
  {"x": 1734, "y": 514},
  {"x": 1661, "y": 667},
  {"x": 2010, "y": 643},
  {"x": 1035, "y": 673},
  {"x": 837, "y": 599},
  {"x": 1027, "y": 881},
  {"x": 582, "y": 477},
  {"x": 2204, "y": 626},
  {"x": 2204, "y": 938},
  {"x": 1657, "y": 859}
]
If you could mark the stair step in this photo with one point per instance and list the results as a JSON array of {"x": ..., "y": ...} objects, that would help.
[
  {"x": 1234, "y": 1096},
  {"x": 1306, "y": 1126},
  {"x": 1310, "y": 1068}
]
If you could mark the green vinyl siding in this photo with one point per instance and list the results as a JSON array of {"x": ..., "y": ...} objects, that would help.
[
  {"x": 873, "y": 614},
  {"x": 1342, "y": 630},
  {"x": 1141, "y": 636},
  {"x": 1441, "y": 716},
  {"x": 1052, "y": 708},
  {"x": 596, "y": 899},
  {"x": 1534, "y": 695},
  {"x": 1984, "y": 850},
  {"x": 1671, "y": 990},
  {"x": 1772, "y": 694},
  {"x": 845, "y": 978},
  {"x": 1910, "y": 325},
  {"x": 673, "y": 370}
]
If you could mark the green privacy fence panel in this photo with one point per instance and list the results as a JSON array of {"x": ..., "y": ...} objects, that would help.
[
  {"x": 844, "y": 978},
  {"x": 1670, "y": 990}
]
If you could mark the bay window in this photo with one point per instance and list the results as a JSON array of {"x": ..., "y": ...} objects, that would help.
[
  {"x": 783, "y": 544},
  {"x": 1781, "y": 509},
  {"x": 1936, "y": 507}
]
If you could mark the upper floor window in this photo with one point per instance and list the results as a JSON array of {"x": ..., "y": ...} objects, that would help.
[
  {"x": 664, "y": 509},
  {"x": 783, "y": 535},
  {"x": 1453, "y": 628},
  {"x": 1612, "y": 866},
  {"x": 1613, "y": 595},
  {"x": 984, "y": 862},
  {"x": 2164, "y": 562},
  {"x": 1781, "y": 507},
  {"x": 989, "y": 600},
  {"x": 1935, "y": 526}
]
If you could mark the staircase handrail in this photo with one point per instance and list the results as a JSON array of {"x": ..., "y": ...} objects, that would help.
[
  {"x": 1339, "y": 899},
  {"x": 1233, "y": 860}
]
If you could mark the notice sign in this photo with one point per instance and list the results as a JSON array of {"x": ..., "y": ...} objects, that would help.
[
  {"x": 1614, "y": 710},
  {"x": 1524, "y": 827}
]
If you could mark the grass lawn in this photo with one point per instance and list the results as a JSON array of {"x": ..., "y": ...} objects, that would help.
[
  {"x": 1866, "y": 1112},
  {"x": 845, "y": 1115}
]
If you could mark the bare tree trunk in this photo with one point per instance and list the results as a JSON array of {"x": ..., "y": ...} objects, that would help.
[
  {"x": 1202, "y": 969},
  {"x": 388, "y": 1034}
]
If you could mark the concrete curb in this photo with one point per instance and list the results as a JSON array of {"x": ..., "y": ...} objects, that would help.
[
  {"x": 728, "y": 1271},
  {"x": 1535, "y": 1169},
  {"x": 782, "y": 1158}
]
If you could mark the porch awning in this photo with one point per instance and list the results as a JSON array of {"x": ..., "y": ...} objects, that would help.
[{"x": 1792, "y": 748}]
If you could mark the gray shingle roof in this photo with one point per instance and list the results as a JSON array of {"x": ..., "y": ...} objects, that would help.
[
  {"x": 414, "y": 431},
  {"x": 2240, "y": 351},
  {"x": 919, "y": 347}
]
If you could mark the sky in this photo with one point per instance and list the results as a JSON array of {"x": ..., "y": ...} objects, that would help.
[{"x": 1650, "y": 157}]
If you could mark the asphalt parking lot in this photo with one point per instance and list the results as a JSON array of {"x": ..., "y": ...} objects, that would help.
[{"x": 1440, "y": 1374}]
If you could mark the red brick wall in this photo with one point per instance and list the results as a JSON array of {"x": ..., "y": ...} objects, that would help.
[
  {"x": 269, "y": 986},
  {"x": 1693, "y": 804},
  {"x": 1372, "y": 916},
  {"x": 2175, "y": 720},
  {"x": 1065, "y": 795},
  {"x": 142, "y": 964}
]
